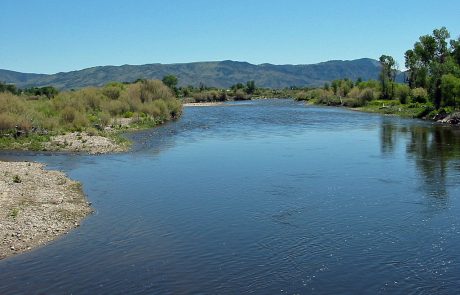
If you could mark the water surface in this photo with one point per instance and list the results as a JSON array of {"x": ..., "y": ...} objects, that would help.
[{"x": 263, "y": 197}]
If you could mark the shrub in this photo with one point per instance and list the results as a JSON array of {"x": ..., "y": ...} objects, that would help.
[
  {"x": 154, "y": 89},
  {"x": 352, "y": 102},
  {"x": 368, "y": 94},
  {"x": 80, "y": 121},
  {"x": 104, "y": 119},
  {"x": 240, "y": 95},
  {"x": 8, "y": 121},
  {"x": 112, "y": 91},
  {"x": 402, "y": 92},
  {"x": 68, "y": 114},
  {"x": 302, "y": 95},
  {"x": 12, "y": 103},
  {"x": 77, "y": 110},
  {"x": 425, "y": 112},
  {"x": 419, "y": 95},
  {"x": 92, "y": 99},
  {"x": 128, "y": 114},
  {"x": 116, "y": 107}
]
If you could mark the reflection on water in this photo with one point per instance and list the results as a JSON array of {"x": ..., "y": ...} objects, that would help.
[
  {"x": 264, "y": 197},
  {"x": 435, "y": 151}
]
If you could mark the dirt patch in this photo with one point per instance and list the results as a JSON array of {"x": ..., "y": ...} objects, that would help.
[
  {"x": 83, "y": 142},
  {"x": 36, "y": 206}
]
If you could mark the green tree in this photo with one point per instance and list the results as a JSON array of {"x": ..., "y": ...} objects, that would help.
[
  {"x": 430, "y": 60},
  {"x": 9, "y": 88},
  {"x": 171, "y": 81},
  {"x": 455, "y": 46},
  {"x": 237, "y": 86},
  {"x": 450, "y": 88},
  {"x": 387, "y": 76},
  {"x": 250, "y": 87}
]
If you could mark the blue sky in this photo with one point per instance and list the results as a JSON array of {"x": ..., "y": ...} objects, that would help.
[{"x": 64, "y": 35}]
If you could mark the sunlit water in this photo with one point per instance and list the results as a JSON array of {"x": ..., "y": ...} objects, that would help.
[{"x": 263, "y": 197}]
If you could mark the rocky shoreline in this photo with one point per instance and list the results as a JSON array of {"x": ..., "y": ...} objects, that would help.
[
  {"x": 36, "y": 206},
  {"x": 84, "y": 142}
]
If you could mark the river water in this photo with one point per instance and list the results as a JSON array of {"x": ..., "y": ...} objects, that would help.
[{"x": 262, "y": 197}]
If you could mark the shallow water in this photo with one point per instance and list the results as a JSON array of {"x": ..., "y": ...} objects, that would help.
[{"x": 264, "y": 197}]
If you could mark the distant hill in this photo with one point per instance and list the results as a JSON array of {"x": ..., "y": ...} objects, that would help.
[{"x": 218, "y": 74}]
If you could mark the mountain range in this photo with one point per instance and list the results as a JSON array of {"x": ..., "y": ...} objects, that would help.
[{"x": 221, "y": 74}]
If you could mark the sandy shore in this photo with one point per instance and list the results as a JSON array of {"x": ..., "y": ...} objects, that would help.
[{"x": 36, "y": 206}]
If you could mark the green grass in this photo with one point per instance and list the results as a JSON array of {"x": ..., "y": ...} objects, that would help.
[
  {"x": 32, "y": 142},
  {"x": 392, "y": 107}
]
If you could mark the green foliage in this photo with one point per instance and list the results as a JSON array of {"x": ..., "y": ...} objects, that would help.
[
  {"x": 210, "y": 95},
  {"x": 151, "y": 90},
  {"x": 48, "y": 91},
  {"x": 387, "y": 76},
  {"x": 402, "y": 92},
  {"x": 450, "y": 89},
  {"x": 419, "y": 95},
  {"x": 240, "y": 95},
  {"x": 250, "y": 87},
  {"x": 11, "y": 88},
  {"x": 171, "y": 81},
  {"x": 434, "y": 66},
  {"x": 26, "y": 123},
  {"x": 112, "y": 90}
]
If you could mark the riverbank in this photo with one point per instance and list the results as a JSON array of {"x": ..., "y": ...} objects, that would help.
[
  {"x": 413, "y": 111},
  {"x": 394, "y": 108},
  {"x": 36, "y": 206},
  {"x": 90, "y": 140},
  {"x": 85, "y": 120},
  {"x": 202, "y": 104}
]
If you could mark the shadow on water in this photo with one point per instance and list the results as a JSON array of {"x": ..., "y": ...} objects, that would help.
[{"x": 434, "y": 149}]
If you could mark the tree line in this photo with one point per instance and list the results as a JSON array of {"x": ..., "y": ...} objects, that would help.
[{"x": 433, "y": 65}]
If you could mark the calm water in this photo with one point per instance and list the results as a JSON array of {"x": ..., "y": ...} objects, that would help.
[{"x": 264, "y": 197}]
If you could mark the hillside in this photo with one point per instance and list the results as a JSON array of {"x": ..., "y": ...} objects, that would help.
[{"x": 217, "y": 74}]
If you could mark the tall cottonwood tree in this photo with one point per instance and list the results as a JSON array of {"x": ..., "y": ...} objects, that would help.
[
  {"x": 387, "y": 76},
  {"x": 430, "y": 61}
]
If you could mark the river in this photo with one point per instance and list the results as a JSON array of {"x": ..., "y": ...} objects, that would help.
[{"x": 262, "y": 197}]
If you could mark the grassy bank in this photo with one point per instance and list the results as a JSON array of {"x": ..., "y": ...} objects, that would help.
[{"x": 29, "y": 122}]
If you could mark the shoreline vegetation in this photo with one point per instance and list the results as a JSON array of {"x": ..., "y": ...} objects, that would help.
[{"x": 79, "y": 120}]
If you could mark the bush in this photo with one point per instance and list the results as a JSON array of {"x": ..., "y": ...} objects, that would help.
[
  {"x": 77, "y": 110},
  {"x": 419, "y": 95},
  {"x": 240, "y": 95},
  {"x": 425, "y": 111},
  {"x": 402, "y": 92},
  {"x": 353, "y": 102},
  {"x": 368, "y": 94},
  {"x": 8, "y": 121},
  {"x": 68, "y": 115},
  {"x": 112, "y": 91},
  {"x": 154, "y": 89}
]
